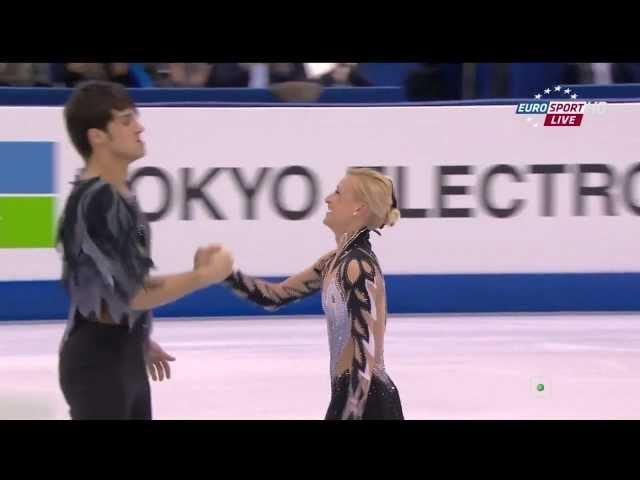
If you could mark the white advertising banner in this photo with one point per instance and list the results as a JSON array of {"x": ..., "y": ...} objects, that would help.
[{"x": 482, "y": 188}]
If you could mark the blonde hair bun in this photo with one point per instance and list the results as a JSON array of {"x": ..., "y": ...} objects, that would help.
[
  {"x": 392, "y": 217},
  {"x": 376, "y": 190}
]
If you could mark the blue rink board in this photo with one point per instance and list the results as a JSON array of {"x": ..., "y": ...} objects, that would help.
[{"x": 407, "y": 294}]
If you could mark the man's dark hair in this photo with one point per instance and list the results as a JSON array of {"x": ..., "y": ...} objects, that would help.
[{"x": 90, "y": 106}]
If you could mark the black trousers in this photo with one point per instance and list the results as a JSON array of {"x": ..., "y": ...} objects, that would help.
[
  {"x": 102, "y": 372},
  {"x": 383, "y": 400}
]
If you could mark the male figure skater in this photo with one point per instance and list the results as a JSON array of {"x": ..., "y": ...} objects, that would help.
[{"x": 105, "y": 239}]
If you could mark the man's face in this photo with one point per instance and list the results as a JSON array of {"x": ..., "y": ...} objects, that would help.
[{"x": 124, "y": 132}]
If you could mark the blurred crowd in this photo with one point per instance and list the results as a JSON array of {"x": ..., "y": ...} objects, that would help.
[
  {"x": 423, "y": 81},
  {"x": 184, "y": 75}
]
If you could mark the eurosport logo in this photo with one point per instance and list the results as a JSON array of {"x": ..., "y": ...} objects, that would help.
[
  {"x": 565, "y": 110},
  {"x": 27, "y": 195}
]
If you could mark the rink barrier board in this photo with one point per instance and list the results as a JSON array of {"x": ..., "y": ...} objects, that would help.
[{"x": 407, "y": 294}]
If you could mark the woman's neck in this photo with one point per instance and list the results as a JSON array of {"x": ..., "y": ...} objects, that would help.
[{"x": 343, "y": 237}]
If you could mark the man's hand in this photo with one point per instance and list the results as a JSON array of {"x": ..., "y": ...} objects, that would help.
[
  {"x": 203, "y": 255},
  {"x": 158, "y": 362},
  {"x": 214, "y": 263}
]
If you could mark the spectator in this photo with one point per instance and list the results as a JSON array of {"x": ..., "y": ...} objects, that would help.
[
  {"x": 74, "y": 73},
  {"x": 188, "y": 75},
  {"x": 344, "y": 74},
  {"x": 255, "y": 75},
  {"x": 581, "y": 73},
  {"x": 286, "y": 72},
  {"x": 625, "y": 72},
  {"x": 159, "y": 73},
  {"x": 225, "y": 75},
  {"x": 602, "y": 73},
  {"x": 426, "y": 83},
  {"x": 229, "y": 75},
  {"x": 25, "y": 74}
]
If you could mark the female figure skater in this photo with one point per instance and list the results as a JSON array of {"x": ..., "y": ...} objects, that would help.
[{"x": 353, "y": 297}]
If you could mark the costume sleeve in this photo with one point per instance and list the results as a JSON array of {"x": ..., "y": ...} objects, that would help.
[
  {"x": 272, "y": 296},
  {"x": 358, "y": 274},
  {"x": 102, "y": 235}
]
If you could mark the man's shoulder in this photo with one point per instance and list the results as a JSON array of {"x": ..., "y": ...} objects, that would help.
[{"x": 91, "y": 198}]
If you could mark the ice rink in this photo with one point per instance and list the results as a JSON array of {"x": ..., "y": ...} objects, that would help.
[{"x": 453, "y": 367}]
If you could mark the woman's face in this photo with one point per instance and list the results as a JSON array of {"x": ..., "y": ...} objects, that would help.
[{"x": 345, "y": 212}]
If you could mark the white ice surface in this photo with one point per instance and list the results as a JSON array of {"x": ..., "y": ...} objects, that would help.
[{"x": 473, "y": 367}]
